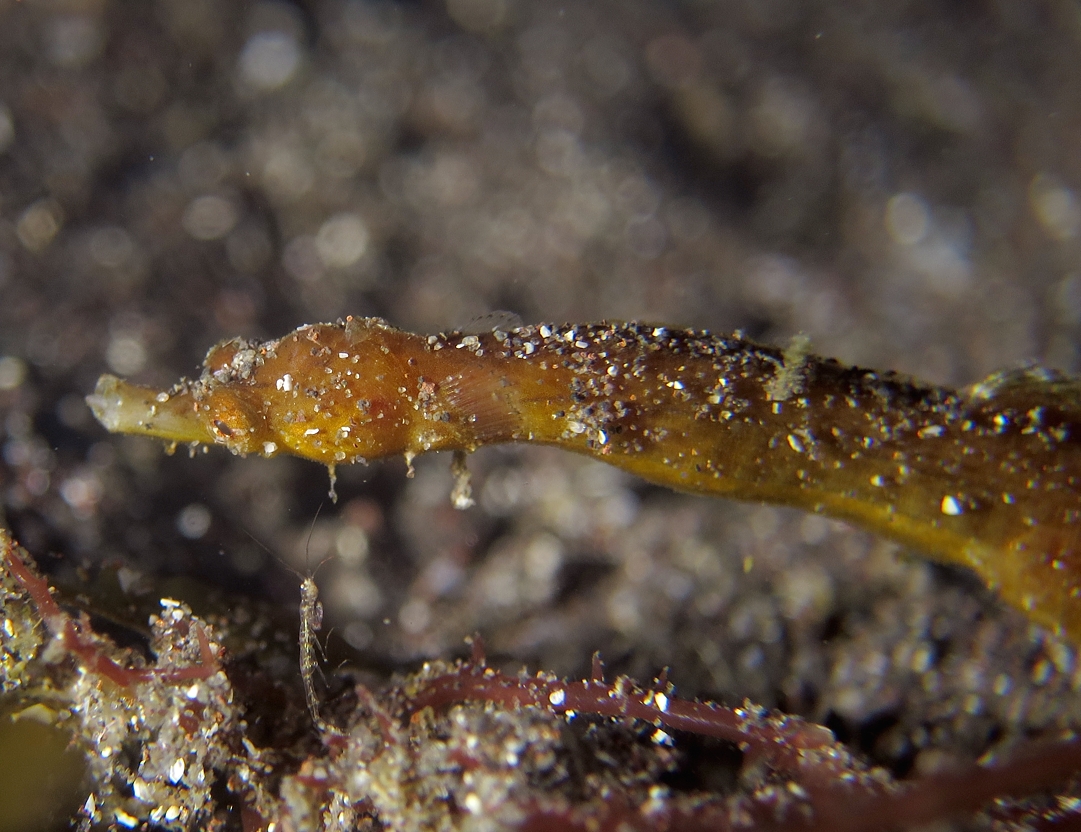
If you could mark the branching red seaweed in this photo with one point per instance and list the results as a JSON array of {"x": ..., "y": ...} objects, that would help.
[
  {"x": 76, "y": 638},
  {"x": 786, "y": 743},
  {"x": 810, "y": 781},
  {"x": 453, "y": 744}
]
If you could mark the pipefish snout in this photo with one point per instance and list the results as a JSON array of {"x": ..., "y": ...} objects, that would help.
[{"x": 985, "y": 477}]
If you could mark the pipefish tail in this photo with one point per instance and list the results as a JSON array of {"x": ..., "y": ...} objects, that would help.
[{"x": 985, "y": 477}]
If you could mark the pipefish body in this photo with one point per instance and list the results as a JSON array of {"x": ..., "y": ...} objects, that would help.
[{"x": 985, "y": 477}]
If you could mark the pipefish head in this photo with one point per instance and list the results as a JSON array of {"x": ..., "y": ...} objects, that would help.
[
  {"x": 123, "y": 407},
  {"x": 232, "y": 419},
  {"x": 307, "y": 394},
  {"x": 207, "y": 410},
  {"x": 282, "y": 397}
]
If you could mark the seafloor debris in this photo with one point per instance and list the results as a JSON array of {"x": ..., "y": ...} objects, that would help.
[
  {"x": 985, "y": 477},
  {"x": 155, "y": 737},
  {"x": 175, "y": 744}
]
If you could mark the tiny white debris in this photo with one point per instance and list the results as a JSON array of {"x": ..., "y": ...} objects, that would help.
[
  {"x": 194, "y": 521},
  {"x": 951, "y": 505},
  {"x": 461, "y": 494},
  {"x": 877, "y": 481},
  {"x": 269, "y": 60},
  {"x": 473, "y": 804},
  {"x": 557, "y": 697},
  {"x": 285, "y": 383},
  {"x": 124, "y": 819},
  {"x": 661, "y": 701},
  {"x": 270, "y": 448},
  {"x": 676, "y": 385},
  {"x": 794, "y": 443},
  {"x": 176, "y": 771},
  {"x": 661, "y": 738},
  {"x": 172, "y": 813},
  {"x": 192, "y": 692},
  {"x": 930, "y": 431},
  {"x": 343, "y": 355},
  {"x": 141, "y": 789},
  {"x": 311, "y": 431},
  {"x": 546, "y": 331}
]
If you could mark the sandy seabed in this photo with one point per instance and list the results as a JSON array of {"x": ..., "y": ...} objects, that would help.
[{"x": 896, "y": 181}]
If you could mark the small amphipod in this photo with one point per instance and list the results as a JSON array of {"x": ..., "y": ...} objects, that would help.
[{"x": 311, "y": 621}]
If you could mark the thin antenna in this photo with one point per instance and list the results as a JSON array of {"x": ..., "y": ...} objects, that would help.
[{"x": 308, "y": 542}]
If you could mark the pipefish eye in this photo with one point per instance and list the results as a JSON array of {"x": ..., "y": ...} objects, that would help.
[{"x": 233, "y": 422}]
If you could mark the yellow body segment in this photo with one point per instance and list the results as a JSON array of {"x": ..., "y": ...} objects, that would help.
[{"x": 985, "y": 477}]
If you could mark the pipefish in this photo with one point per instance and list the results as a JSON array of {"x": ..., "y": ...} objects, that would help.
[{"x": 985, "y": 477}]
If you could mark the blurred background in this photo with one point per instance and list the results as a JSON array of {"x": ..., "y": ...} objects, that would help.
[{"x": 898, "y": 181}]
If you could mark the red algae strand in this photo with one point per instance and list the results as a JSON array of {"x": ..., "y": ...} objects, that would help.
[{"x": 985, "y": 477}]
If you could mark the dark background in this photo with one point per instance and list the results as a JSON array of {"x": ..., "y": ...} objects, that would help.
[{"x": 896, "y": 180}]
